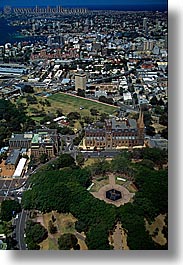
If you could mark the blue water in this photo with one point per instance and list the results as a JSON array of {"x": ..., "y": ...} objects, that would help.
[
  {"x": 8, "y": 33},
  {"x": 5, "y": 31}
]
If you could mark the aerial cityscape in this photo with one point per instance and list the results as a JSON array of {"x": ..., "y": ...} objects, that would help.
[{"x": 83, "y": 125}]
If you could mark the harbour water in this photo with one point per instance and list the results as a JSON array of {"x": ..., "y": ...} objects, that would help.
[{"x": 11, "y": 34}]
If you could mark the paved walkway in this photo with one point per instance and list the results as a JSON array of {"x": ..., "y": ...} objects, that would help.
[
  {"x": 101, "y": 194},
  {"x": 119, "y": 238},
  {"x": 112, "y": 180}
]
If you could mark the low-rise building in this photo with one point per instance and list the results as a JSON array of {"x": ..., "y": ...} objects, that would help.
[
  {"x": 12, "y": 160},
  {"x": 18, "y": 141},
  {"x": 20, "y": 168},
  {"x": 44, "y": 142}
]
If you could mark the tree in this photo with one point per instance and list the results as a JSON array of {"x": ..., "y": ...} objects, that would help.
[
  {"x": 95, "y": 217},
  {"x": 138, "y": 81},
  {"x": 73, "y": 116},
  {"x": 80, "y": 226},
  {"x": 158, "y": 110},
  {"x": 106, "y": 100},
  {"x": 97, "y": 238},
  {"x": 147, "y": 119},
  {"x": 52, "y": 228},
  {"x": 147, "y": 163},
  {"x": 159, "y": 157},
  {"x": 88, "y": 119},
  {"x": 164, "y": 133},
  {"x": 28, "y": 89},
  {"x": 154, "y": 101},
  {"x": 59, "y": 112},
  {"x": 81, "y": 93},
  {"x": 104, "y": 116},
  {"x": 103, "y": 99},
  {"x": 80, "y": 159},
  {"x": 66, "y": 160},
  {"x": 12, "y": 119},
  {"x": 94, "y": 112},
  {"x": 7, "y": 228},
  {"x": 9, "y": 209},
  {"x": 43, "y": 158},
  {"x": 164, "y": 119},
  {"x": 67, "y": 241},
  {"x": 35, "y": 234},
  {"x": 161, "y": 102},
  {"x": 31, "y": 100},
  {"x": 120, "y": 164},
  {"x": 47, "y": 102},
  {"x": 150, "y": 130},
  {"x": 100, "y": 167},
  {"x": 65, "y": 130}
]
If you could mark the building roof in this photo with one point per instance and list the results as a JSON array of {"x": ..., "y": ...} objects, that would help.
[
  {"x": 159, "y": 143},
  {"x": 124, "y": 124},
  {"x": 21, "y": 137},
  {"x": 20, "y": 167},
  {"x": 13, "y": 157},
  {"x": 127, "y": 96},
  {"x": 41, "y": 137}
]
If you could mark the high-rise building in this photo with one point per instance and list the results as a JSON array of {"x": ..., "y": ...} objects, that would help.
[
  {"x": 151, "y": 44},
  {"x": 80, "y": 81},
  {"x": 49, "y": 40},
  {"x": 166, "y": 41},
  {"x": 145, "y": 45},
  {"x": 145, "y": 24},
  {"x": 157, "y": 23}
]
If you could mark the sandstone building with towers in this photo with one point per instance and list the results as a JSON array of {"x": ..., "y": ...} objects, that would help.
[{"x": 115, "y": 134}]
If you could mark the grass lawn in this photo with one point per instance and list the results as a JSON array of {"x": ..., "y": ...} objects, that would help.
[
  {"x": 77, "y": 126},
  {"x": 119, "y": 182},
  {"x": 65, "y": 224},
  {"x": 70, "y": 103},
  {"x": 158, "y": 127},
  {"x": 99, "y": 184},
  {"x": 90, "y": 161},
  {"x": 158, "y": 225},
  {"x": 66, "y": 103}
]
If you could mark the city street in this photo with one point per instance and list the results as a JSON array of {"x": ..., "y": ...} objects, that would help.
[{"x": 19, "y": 230}]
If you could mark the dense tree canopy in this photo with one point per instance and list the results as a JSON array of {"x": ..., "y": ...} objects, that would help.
[
  {"x": 35, "y": 234},
  {"x": 65, "y": 190},
  {"x": 9, "y": 209},
  {"x": 12, "y": 119},
  {"x": 67, "y": 241}
]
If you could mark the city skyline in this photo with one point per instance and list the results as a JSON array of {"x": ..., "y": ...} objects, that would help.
[{"x": 87, "y": 3}]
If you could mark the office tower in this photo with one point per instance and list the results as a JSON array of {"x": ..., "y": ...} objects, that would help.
[
  {"x": 151, "y": 45},
  {"x": 145, "y": 24},
  {"x": 49, "y": 40},
  {"x": 166, "y": 41},
  {"x": 146, "y": 45},
  {"x": 80, "y": 81}
]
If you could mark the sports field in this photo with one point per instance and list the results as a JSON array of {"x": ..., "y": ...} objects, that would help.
[{"x": 69, "y": 103}]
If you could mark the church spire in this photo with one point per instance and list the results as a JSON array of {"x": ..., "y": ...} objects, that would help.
[{"x": 140, "y": 121}]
